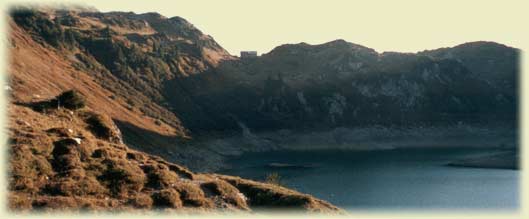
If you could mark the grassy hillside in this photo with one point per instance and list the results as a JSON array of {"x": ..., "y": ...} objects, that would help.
[{"x": 72, "y": 158}]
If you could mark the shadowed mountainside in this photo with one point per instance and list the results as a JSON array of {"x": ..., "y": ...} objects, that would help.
[{"x": 341, "y": 84}]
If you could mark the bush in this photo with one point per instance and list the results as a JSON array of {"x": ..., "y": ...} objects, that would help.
[
  {"x": 102, "y": 127},
  {"x": 167, "y": 198},
  {"x": 273, "y": 178},
  {"x": 192, "y": 195},
  {"x": 71, "y": 100},
  {"x": 122, "y": 178},
  {"x": 159, "y": 178},
  {"x": 226, "y": 191},
  {"x": 141, "y": 201}
]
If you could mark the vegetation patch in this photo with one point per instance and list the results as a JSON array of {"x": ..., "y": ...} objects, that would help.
[
  {"x": 226, "y": 192},
  {"x": 192, "y": 195},
  {"x": 168, "y": 198},
  {"x": 273, "y": 178},
  {"x": 102, "y": 127},
  {"x": 269, "y": 196},
  {"x": 141, "y": 201},
  {"x": 159, "y": 177},
  {"x": 53, "y": 169},
  {"x": 70, "y": 99},
  {"x": 122, "y": 178}
]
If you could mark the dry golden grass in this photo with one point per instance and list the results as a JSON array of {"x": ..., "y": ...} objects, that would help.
[
  {"x": 59, "y": 161},
  {"x": 270, "y": 196}
]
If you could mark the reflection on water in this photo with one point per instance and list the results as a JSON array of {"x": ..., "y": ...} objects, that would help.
[{"x": 392, "y": 179}]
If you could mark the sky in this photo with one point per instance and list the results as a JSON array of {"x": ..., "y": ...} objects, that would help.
[{"x": 402, "y": 26}]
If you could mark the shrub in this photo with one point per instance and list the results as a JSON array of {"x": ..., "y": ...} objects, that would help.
[
  {"x": 273, "y": 178},
  {"x": 168, "y": 198},
  {"x": 116, "y": 178},
  {"x": 64, "y": 146},
  {"x": 269, "y": 196},
  {"x": 74, "y": 187},
  {"x": 66, "y": 162},
  {"x": 141, "y": 201},
  {"x": 102, "y": 127},
  {"x": 121, "y": 178},
  {"x": 180, "y": 171},
  {"x": 226, "y": 191},
  {"x": 71, "y": 100},
  {"x": 159, "y": 178},
  {"x": 192, "y": 195}
]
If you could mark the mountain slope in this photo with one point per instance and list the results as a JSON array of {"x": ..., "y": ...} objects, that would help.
[
  {"x": 128, "y": 54},
  {"x": 120, "y": 62},
  {"x": 164, "y": 82},
  {"x": 38, "y": 70},
  {"x": 74, "y": 159},
  {"x": 340, "y": 84}
]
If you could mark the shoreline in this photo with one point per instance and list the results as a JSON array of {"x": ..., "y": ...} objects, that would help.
[
  {"x": 215, "y": 151},
  {"x": 500, "y": 158},
  {"x": 505, "y": 160}
]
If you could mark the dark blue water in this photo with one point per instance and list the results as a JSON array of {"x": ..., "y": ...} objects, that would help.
[{"x": 393, "y": 179}]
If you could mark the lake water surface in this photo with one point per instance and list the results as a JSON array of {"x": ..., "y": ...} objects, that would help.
[{"x": 404, "y": 179}]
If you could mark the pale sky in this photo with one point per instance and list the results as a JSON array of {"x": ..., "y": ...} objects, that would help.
[{"x": 403, "y": 26}]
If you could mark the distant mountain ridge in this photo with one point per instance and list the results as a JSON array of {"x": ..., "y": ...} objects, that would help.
[{"x": 343, "y": 84}]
